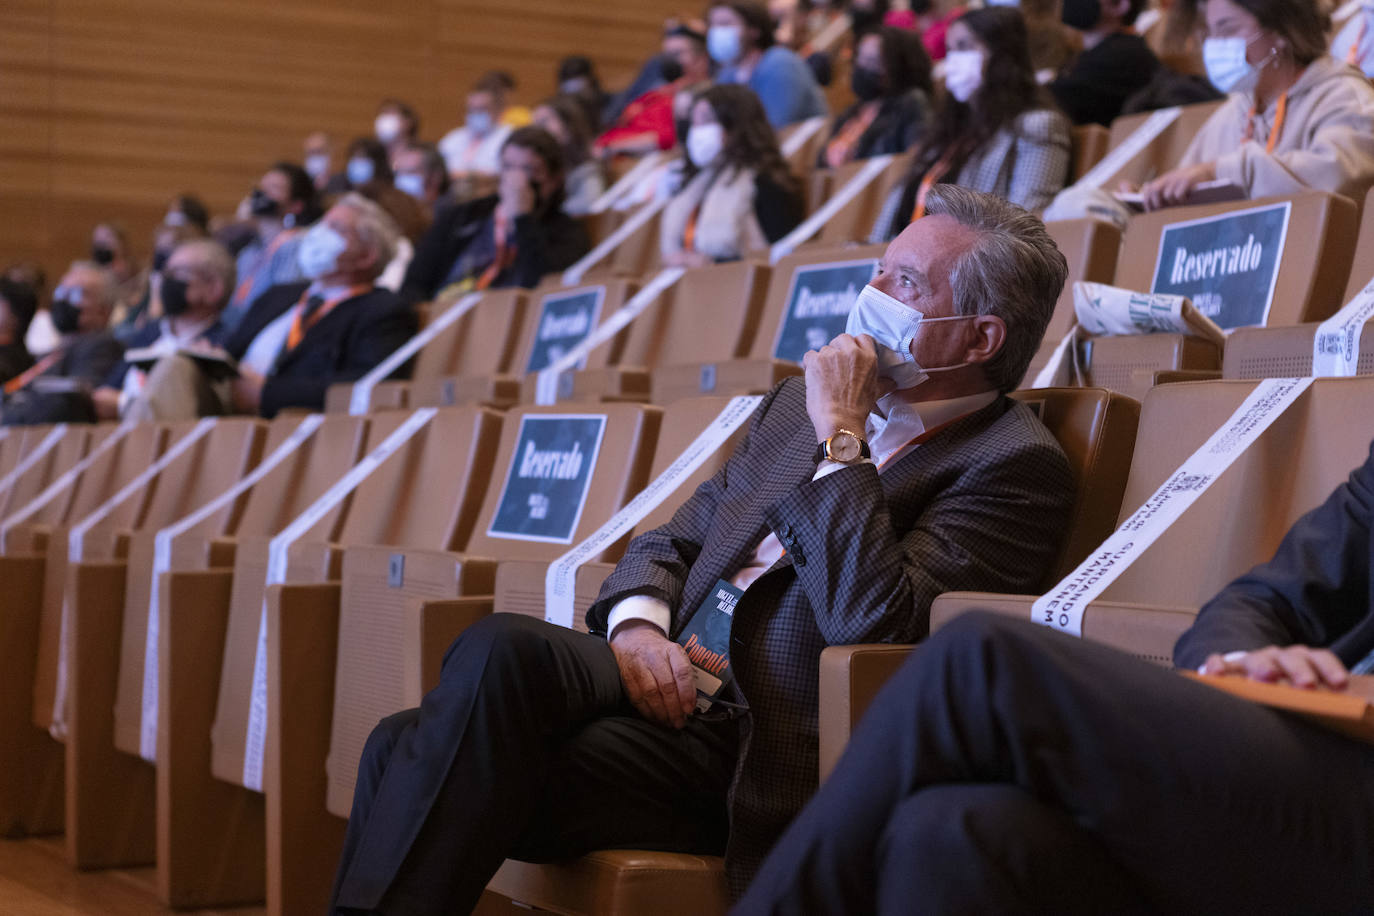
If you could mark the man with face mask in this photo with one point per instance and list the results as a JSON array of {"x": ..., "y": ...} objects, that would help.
[
  {"x": 1115, "y": 62},
  {"x": 57, "y": 388},
  {"x": 474, "y": 149},
  {"x": 511, "y": 238},
  {"x": 300, "y": 338},
  {"x": 895, "y": 469},
  {"x": 281, "y": 204}
]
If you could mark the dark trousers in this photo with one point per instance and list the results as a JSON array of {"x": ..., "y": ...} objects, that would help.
[
  {"x": 528, "y": 748},
  {"x": 1011, "y": 769}
]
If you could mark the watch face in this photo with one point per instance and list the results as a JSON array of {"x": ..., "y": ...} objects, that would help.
[{"x": 844, "y": 447}]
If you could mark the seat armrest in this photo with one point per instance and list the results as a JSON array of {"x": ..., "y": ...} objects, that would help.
[
  {"x": 431, "y": 627},
  {"x": 850, "y": 677}
]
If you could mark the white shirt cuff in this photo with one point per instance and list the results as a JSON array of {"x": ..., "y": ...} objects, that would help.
[
  {"x": 828, "y": 467},
  {"x": 639, "y": 607}
]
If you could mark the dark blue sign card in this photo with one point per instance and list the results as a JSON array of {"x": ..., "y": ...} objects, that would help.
[
  {"x": 818, "y": 304},
  {"x": 548, "y": 478},
  {"x": 564, "y": 320},
  {"x": 1226, "y": 264},
  {"x": 707, "y": 641}
]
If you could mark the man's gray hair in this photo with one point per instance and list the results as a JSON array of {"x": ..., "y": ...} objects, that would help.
[
  {"x": 106, "y": 280},
  {"x": 1014, "y": 271},
  {"x": 214, "y": 259},
  {"x": 375, "y": 227}
]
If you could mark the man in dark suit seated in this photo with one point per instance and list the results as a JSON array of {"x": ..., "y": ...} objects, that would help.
[
  {"x": 57, "y": 388},
  {"x": 18, "y": 304},
  {"x": 895, "y": 470},
  {"x": 511, "y": 238},
  {"x": 1008, "y": 768},
  {"x": 299, "y": 338}
]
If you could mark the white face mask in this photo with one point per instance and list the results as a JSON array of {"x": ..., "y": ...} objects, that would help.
[
  {"x": 704, "y": 143},
  {"x": 963, "y": 73},
  {"x": 479, "y": 122},
  {"x": 388, "y": 127},
  {"x": 412, "y": 183},
  {"x": 1227, "y": 67},
  {"x": 320, "y": 250},
  {"x": 723, "y": 44},
  {"x": 317, "y": 165},
  {"x": 360, "y": 170},
  {"x": 892, "y": 325}
]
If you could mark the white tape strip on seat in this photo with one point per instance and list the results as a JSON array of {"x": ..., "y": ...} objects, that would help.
[
  {"x": 76, "y": 551},
  {"x": 803, "y": 132},
  {"x": 636, "y": 221},
  {"x": 162, "y": 563},
  {"x": 1336, "y": 348},
  {"x": 360, "y": 401},
  {"x": 561, "y": 578},
  {"x": 48, "y": 443},
  {"x": 1062, "y": 607},
  {"x": 1049, "y": 374},
  {"x": 1147, "y": 20},
  {"x": 276, "y": 575},
  {"x": 62, "y": 483},
  {"x": 1121, "y": 155},
  {"x": 871, "y": 169},
  {"x": 546, "y": 383},
  {"x": 627, "y": 182}
]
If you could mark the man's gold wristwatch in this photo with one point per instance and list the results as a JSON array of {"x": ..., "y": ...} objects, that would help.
[{"x": 844, "y": 447}]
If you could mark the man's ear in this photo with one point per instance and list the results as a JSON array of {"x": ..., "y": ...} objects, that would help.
[{"x": 989, "y": 335}]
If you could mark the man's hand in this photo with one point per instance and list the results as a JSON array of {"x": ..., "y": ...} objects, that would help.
[
  {"x": 106, "y": 403},
  {"x": 656, "y": 673},
  {"x": 1173, "y": 188},
  {"x": 517, "y": 194},
  {"x": 1303, "y": 666},
  {"x": 841, "y": 384},
  {"x": 247, "y": 391}
]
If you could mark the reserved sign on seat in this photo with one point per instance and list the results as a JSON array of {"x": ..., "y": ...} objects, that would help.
[
  {"x": 549, "y": 476},
  {"x": 818, "y": 304},
  {"x": 565, "y": 319}
]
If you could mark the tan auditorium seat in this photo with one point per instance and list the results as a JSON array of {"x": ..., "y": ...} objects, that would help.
[
  {"x": 392, "y": 595},
  {"x": 1091, "y": 247},
  {"x": 502, "y": 389},
  {"x": 781, "y": 337},
  {"x": 1090, "y": 142},
  {"x": 480, "y": 343},
  {"x": 710, "y": 313},
  {"x": 854, "y": 221},
  {"x": 1311, "y": 278},
  {"x": 1165, "y": 151}
]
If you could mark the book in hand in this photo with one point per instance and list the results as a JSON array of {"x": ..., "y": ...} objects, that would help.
[
  {"x": 1349, "y": 711},
  {"x": 1206, "y": 192},
  {"x": 213, "y": 361},
  {"x": 707, "y": 641}
]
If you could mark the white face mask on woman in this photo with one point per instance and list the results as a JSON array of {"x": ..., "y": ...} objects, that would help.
[
  {"x": 1227, "y": 66},
  {"x": 963, "y": 73},
  {"x": 704, "y": 143}
]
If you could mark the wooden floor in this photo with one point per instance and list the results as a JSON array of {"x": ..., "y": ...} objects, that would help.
[{"x": 35, "y": 880}]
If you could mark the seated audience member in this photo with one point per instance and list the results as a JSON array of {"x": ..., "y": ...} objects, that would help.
[
  {"x": 148, "y": 309},
  {"x": 740, "y": 40},
  {"x": 300, "y": 338},
  {"x": 1053, "y": 45},
  {"x": 1010, "y": 769},
  {"x": 1295, "y": 118},
  {"x": 57, "y": 388},
  {"x": 17, "y": 307},
  {"x": 368, "y": 161},
  {"x": 511, "y": 238},
  {"x": 318, "y": 160},
  {"x": 421, "y": 173},
  {"x": 1114, "y": 64},
  {"x": 737, "y": 194},
  {"x": 860, "y": 492},
  {"x": 475, "y": 148},
  {"x": 646, "y": 124},
  {"x": 566, "y": 120},
  {"x": 998, "y": 132},
  {"x": 503, "y": 81},
  {"x": 396, "y": 125},
  {"x": 41, "y": 338},
  {"x": 188, "y": 210},
  {"x": 111, "y": 250},
  {"x": 411, "y": 220},
  {"x": 577, "y": 77},
  {"x": 280, "y": 206},
  {"x": 891, "y": 83},
  {"x": 195, "y": 286}
]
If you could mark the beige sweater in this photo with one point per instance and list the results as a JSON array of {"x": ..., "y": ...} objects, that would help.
[{"x": 1326, "y": 142}]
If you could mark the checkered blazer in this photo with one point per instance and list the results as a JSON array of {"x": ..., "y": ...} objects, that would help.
[{"x": 982, "y": 505}]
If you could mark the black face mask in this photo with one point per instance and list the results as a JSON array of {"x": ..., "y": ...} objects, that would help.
[
  {"x": 102, "y": 255},
  {"x": 66, "y": 317},
  {"x": 174, "y": 297},
  {"x": 865, "y": 20},
  {"x": 1081, "y": 14},
  {"x": 866, "y": 83},
  {"x": 160, "y": 259},
  {"x": 669, "y": 68},
  {"x": 259, "y": 204},
  {"x": 921, "y": 7}
]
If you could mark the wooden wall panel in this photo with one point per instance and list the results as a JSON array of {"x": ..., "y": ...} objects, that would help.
[{"x": 110, "y": 107}]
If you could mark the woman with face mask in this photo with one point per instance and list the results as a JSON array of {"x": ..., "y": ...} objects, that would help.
[
  {"x": 740, "y": 41},
  {"x": 999, "y": 132},
  {"x": 737, "y": 194},
  {"x": 367, "y": 162},
  {"x": 892, "y": 90}
]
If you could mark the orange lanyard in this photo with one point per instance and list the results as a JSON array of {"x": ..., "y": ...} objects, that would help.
[
  {"x": 1280, "y": 111},
  {"x": 1355, "y": 56},
  {"x": 22, "y": 380},
  {"x": 505, "y": 254},
  {"x": 689, "y": 235},
  {"x": 300, "y": 325},
  {"x": 263, "y": 260},
  {"x": 928, "y": 180},
  {"x": 841, "y": 149}
]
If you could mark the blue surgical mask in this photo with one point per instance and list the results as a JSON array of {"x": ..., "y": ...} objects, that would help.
[
  {"x": 1227, "y": 66},
  {"x": 892, "y": 325},
  {"x": 411, "y": 183},
  {"x": 479, "y": 122},
  {"x": 320, "y": 250},
  {"x": 723, "y": 43},
  {"x": 317, "y": 165},
  {"x": 360, "y": 170}
]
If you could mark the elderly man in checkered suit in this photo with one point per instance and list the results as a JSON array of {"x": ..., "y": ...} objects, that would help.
[{"x": 893, "y": 470}]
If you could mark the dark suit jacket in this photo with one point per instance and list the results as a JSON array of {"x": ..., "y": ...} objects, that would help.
[
  {"x": 1096, "y": 86},
  {"x": 341, "y": 347},
  {"x": 982, "y": 505},
  {"x": 901, "y": 121},
  {"x": 543, "y": 245},
  {"x": 1314, "y": 592},
  {"x": 86, "y": 358}
]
